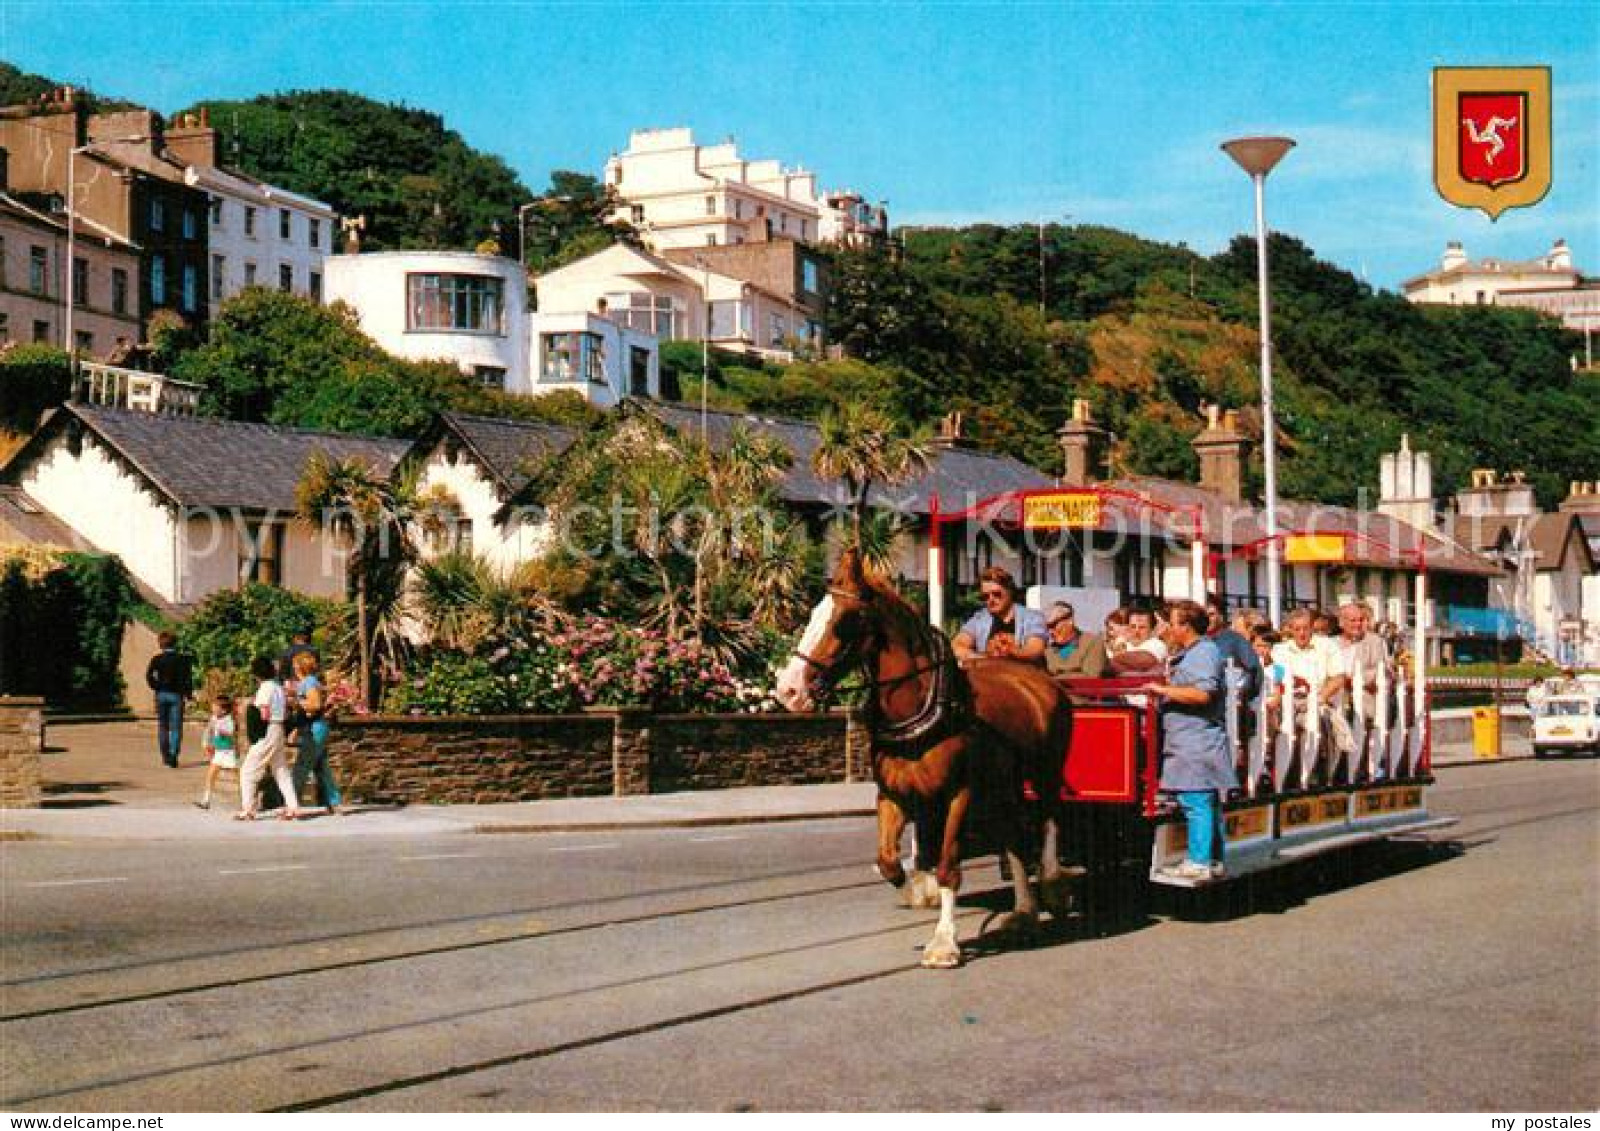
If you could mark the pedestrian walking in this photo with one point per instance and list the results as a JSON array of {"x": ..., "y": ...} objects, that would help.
[
  {"x": 221, "y": 744},
  {"x": 312, "y": 762},
  {"x": 171, "y": 676},
  {"x": 270, "y": 752}
]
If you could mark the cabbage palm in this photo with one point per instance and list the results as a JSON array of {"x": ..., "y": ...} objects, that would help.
[
  {"x": 860, "y": 446},
  {"x": 370, "y": 515}
]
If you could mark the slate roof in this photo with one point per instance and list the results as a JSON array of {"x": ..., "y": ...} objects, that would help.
[
  {"x": 507, "y": 450},
  {"x": 1393, "y": 543},
  {"x": 1549, "y": 536},
  {"x": 959, "y": 476},
  {"x": 23, "y": 519},
  {"x": 197, "y": 462}
]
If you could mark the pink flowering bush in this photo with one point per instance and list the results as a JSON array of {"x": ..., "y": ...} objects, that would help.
[{"x": 591, "y": 662}]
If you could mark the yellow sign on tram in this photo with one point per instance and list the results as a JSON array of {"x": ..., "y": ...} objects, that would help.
[{"x": 1063, "y": 510}]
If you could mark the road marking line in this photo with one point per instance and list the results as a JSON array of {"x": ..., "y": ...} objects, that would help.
[
  {"x": 714, "y": 839},
  {"x": 257, "y": 871},
  {"x": 75, "y": 883},
  {"x": 585, "y": 848},
  {"x": 444, "y": 856}
]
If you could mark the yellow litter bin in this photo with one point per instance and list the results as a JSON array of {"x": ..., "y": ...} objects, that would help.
[{"x": 1485, "y": 731}]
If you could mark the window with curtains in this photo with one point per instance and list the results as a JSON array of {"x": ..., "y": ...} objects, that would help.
[{"x": 464, "y": 303}]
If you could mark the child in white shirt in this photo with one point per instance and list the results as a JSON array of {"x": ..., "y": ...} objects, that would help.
[{"x": 221, "y": 744}]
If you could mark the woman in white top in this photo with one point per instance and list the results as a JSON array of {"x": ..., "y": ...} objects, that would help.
[{"x": 271, "y": 751}]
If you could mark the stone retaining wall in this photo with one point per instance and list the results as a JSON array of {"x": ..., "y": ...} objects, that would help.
[
  {"x": 21, "y": 743},
  {"x": 477, "y": 760}
]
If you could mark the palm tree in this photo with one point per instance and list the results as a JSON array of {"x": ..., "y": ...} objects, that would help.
[
  {"x": 369, "y": 514},
  {"x": 860, "y": 445}
]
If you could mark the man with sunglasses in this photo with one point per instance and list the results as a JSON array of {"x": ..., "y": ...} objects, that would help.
[{"x": 1002, "y": 629}]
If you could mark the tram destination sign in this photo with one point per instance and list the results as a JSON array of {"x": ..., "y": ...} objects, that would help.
[{"x": 1061, "y": 510}]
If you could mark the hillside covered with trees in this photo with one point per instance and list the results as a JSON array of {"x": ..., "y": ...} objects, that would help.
[{"x": 1149, "y": 333}]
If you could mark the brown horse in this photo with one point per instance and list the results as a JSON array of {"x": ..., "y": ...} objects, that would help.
[{"x": 941, "y": 735}]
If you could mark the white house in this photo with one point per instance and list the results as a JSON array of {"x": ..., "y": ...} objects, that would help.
[
  {"x": 675, "y": 301},
  {"x": 264, "y": 236},
  {"x": 596, "y": 357},
  {"x": 682, "y": 194},
  {"x": 1550, "y": 284},
  {"x": 481, "y": 465},
  {"x": 190, "y": 505},
  {"x": 464, "y": 307}
]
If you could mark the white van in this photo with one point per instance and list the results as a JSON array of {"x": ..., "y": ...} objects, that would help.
[{"x": 1568, "y": 722}]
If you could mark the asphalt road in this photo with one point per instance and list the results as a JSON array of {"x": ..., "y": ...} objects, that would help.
[{"x": 763, "y": 967}]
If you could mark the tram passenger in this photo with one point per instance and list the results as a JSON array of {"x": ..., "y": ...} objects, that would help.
[
  {"x": 1003, "y": 628},
  {"x": 1314, "y": 671},
  {"x": 1197, "y": 764},
  {"x": 1116, "y": 632},
  {"x": 1361, "y": 648},
  {"x": 1235, "y": 646},
  {"x": 1072, "y": 651},
  {"x": 1144, "y": 651}
]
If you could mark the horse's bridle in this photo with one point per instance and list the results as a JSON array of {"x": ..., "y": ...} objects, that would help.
[{"x": 939, "y": 696}]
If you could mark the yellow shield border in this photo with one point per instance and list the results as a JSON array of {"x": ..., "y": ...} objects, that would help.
[{"x": 1449, "y": 83}]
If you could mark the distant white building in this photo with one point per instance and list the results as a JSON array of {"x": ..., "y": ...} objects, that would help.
[
  {"x": 678, "y": 194},
  {"x": 595, "y": 356},
  {"x": 263, "y": 236},
  {"x": 464, "y": 307},
  {"x": 1549, "y": 283},
  {"x": 677, "y": 301},
  {"x": 472, "y": 310}
]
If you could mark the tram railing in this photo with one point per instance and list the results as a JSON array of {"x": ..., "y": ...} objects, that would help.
[{"x": 1290, "y": 740}]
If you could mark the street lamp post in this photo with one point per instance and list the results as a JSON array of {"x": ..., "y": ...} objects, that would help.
[{"x": 1257, "y": 156}]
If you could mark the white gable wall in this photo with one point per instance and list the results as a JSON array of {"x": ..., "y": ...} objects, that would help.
[
  {"x": 504, "y": 547},
  {"x": 96, "y": 496}
]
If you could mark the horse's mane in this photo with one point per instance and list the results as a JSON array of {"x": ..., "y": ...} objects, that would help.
[{"x": 894, "y": 607}]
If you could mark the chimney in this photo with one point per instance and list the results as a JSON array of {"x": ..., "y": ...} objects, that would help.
[
  {"x": 1405, "y": 489},
  {"x": 192, "y": 141},
  {"x": 1221, "y": 448},
  {"x": 1083, "y": 444},
  {"x": 950, "y": 433},
  {"x": 1583, "y": 497}
]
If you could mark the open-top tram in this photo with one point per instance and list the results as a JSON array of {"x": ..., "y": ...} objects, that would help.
[{"x": 1300, "y": 793}]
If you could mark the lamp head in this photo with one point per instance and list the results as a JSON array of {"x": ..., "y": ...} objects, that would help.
[{"x": 1258, "y": 155}]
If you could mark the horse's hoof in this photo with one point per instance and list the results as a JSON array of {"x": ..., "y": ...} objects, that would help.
[
  {"x": 1056, "y": 895},
  {"x": 1019, "y": 924},
  {"x": 941, "y": 956}
]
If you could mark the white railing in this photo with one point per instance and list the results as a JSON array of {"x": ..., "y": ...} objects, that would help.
[
  {"x": 1297, "y": 742},
  {"x": 114, "y": 387}
]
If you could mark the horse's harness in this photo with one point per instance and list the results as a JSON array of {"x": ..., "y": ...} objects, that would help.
[{"x": 946, "y": 708}]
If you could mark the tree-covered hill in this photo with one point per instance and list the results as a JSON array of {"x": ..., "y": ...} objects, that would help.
[
  {"x": 1150, "y": 332},
  {"x": 417, "y": 182},
  {"x": 18, "y": 86}
]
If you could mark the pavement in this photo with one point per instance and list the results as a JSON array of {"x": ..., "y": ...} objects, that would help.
[{"x": 104, "y": 780}]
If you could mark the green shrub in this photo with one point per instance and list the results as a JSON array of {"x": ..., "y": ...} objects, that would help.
[
  {"x": 62, "y": 615},
  {"x": 33, "y": 377},
  {"x": 232, "y": 627}
]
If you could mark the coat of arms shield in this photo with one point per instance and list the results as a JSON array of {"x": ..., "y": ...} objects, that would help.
[{"x": 1491, "y": 136}]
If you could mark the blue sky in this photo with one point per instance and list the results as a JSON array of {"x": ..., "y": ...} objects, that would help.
[{"x": 1109, "y": 113}]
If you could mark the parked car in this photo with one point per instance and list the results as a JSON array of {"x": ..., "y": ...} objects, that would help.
[{"x": 1568, "y": 723}]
